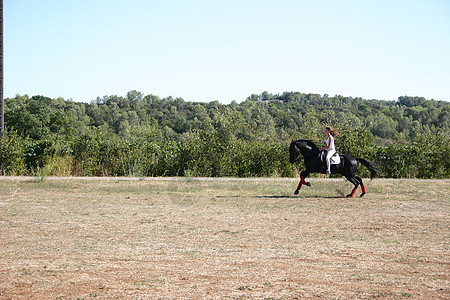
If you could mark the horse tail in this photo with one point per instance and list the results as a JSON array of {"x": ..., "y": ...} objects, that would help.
[{"x": 370, "y": 165}]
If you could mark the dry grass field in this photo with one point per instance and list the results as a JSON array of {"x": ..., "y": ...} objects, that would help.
[{"x": 223, "y": 239}]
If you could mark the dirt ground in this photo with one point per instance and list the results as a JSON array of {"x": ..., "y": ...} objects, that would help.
[{"x": 223, "y": 239}]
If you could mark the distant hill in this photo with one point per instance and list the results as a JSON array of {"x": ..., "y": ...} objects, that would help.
[{"x": 266, "y": 116}]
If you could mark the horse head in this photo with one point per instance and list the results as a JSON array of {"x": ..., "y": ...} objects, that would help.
[
  {"x": 294, "y": 152},
  {"x": 298, "y": 147}
]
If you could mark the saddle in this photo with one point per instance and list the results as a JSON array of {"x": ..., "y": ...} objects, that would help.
[{"x": 335, "y": 159}]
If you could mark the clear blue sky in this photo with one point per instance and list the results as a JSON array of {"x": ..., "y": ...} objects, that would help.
[{"x": 206, "y": 50}]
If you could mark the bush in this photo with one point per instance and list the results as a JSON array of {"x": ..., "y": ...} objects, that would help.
[
  {"x": 426, "y": 157},
  {"x": 11, "y": 154},
  {"x": 210, "y": 153}
]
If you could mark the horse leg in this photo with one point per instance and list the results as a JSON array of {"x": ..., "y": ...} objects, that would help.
[
  {"x": 355, "y": 183},
  {"x": 302, "y": 182},
  {"x": 364, "y": 191}
]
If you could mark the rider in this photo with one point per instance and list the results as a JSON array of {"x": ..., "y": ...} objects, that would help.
[{"x": 331, "y": 149}]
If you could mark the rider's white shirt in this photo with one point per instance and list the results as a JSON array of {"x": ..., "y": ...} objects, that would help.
[{"x": 332, "y": 147}]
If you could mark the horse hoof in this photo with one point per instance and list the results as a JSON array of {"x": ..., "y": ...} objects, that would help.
[
  {"x": 362, "y": 195},
  {"x": 296, "y": 192},
  {"x": 308, "y": 184},
  {"x": 349, "y": 196}
]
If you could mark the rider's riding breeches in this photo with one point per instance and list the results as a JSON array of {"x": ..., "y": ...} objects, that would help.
[{"x": 330, "y": 153}]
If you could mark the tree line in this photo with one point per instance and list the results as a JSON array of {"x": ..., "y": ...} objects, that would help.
[{"x": 145, "y": 135}]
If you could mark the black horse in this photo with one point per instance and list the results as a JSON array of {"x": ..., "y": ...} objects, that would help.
[{"x": 314, "y": 164}]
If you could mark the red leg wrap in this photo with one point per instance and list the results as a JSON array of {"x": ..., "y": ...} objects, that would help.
[
  {"x": 364, "y": 189},
  {"x": 353, "y": 192},
  {"x": 302, "y": 181}
]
